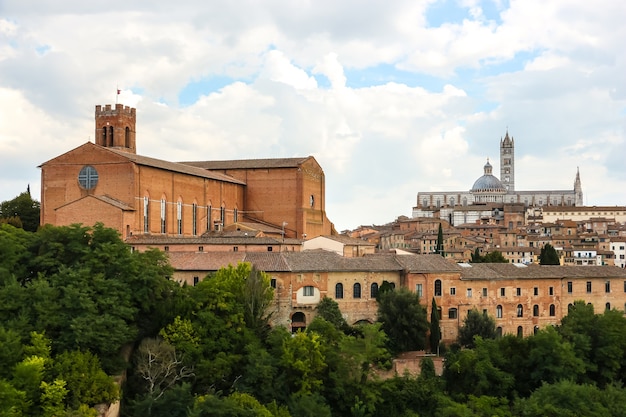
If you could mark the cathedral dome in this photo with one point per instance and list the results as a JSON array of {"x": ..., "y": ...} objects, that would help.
[{"x": 488, "y": 183}]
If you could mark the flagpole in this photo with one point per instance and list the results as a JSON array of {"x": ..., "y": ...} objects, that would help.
[{"x": 117, "y": 95}]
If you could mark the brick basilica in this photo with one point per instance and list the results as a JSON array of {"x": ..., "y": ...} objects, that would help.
[{"x": 108, "y": 182}]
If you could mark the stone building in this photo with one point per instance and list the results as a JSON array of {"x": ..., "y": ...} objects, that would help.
[
  {"x": 108, "y": 182},
  {"x": 460, "y": 207},
  {"x": 521, "y": 298}
]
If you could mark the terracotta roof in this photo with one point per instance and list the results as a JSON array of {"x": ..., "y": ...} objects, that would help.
[
  {"x": 204, "y": 261},
  {"x": 347, "y": 240},
  {"x": 237, "y": 238},
  {"x": 535, "y": 271},
  {"x": 426, "y": 263},
  {"x": 249, "y": 163},
  {"x": 175, "y": 167}
]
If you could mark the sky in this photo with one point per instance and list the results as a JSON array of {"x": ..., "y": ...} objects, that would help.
[{"x": 390, "y": 97}]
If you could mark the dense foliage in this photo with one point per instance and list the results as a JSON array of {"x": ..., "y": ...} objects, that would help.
[
  {"x": 77, "y": 306},
  {"x": 22, "y": 212},
  {"x": 549, "y": 255}
]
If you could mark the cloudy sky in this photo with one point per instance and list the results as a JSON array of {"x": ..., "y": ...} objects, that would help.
[{"x": 390, "y": 97}]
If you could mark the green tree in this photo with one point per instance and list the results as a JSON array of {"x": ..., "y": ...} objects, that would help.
[
  {"x": 551, "y": 358},
  {"x": 304, "y": 361},
  {"x": 564, "y": 399},
  {"x": 86, "y": 381},
  {"x": 549, "y": 255},
  {"x": 328, "y": 309},
  {"x": 439, "y": 249},
  {"x": 435, "y": 330},
  {"x": 403, "y": 319},
  {"x": 491, "y": 257},
  {"x": 476, "y": 371},
  {"x": 476, "y": 324},
  {"x": 23, "y": 208}
]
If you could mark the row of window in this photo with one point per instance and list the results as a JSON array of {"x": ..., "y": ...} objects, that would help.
[
  {"x": 356, "y": 290},
  {"x": 518, "y": 291},
  {"x": 453, "y": 312},
  {"x": 179, "y": 216}
]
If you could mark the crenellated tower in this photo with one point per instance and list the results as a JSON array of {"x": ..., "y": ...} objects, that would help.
[
  {"x": 507, "y": 162},
  {"x": 115, "y": 127}
]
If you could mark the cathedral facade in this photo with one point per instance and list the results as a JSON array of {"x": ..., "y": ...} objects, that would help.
[{"x": 466, "y": 206}]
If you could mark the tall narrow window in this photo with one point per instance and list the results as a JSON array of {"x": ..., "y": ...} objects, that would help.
[
  {"x": 419, "y": 290},
  {"x": 536, "y": 310},
  {"x": 520, "y": 331},
  {"x": 499, "y": 312},
  {"x": 194, "y": 219},
  {"x": 570, "y": 285},
  {"x": 438, "y": 288},
  {"x": 104, "y": 136},
  {"x": 588, "y": 286},
  {"x": 552, "y": 310},
  {"x": 374, "y": 290},
  {"x": 179, "y": 217},
  {"x": 520, "y": 310},
  {"x": 356, "y": 290},
  {"x": 607, "y": 286},
  {"x": 551, "y": 291},
  {"x": 222, "y": 216},
  {"x": 208, "y": 218},
  {"x": 339, "y": 290},
  {"x": 163, "y": 214},
  {"x": 146, "y": 212},
  {"x": 235, "y": 215},
  {"x": 127, "y": 137},
  {"x": 111, "y": 143}
]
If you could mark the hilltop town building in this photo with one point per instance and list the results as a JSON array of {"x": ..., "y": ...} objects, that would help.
[
  {"x": 271, "y": 213},
  {"x": 488, "y": 191}
]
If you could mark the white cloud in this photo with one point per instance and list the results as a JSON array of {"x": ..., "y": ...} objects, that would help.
[{"x": 550, "y": 72}]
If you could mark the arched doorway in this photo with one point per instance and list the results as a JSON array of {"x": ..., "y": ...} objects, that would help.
[{"x": 298, "y": 321}]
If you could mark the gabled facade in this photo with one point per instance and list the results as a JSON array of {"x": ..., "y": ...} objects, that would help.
[{"x": 108, "y": 182}]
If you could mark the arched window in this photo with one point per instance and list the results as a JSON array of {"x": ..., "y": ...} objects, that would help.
[
  {"x": 127, "y": 137},
  {"x": 374, "y": 290},
  {"x": 536, "y": 310},
  {"x": 425, "y": 202},
  {"x": 499, "y": 312},
  {"x": 104, "y": 136},
  {"x": 451, "y": 201},
  {"x": 146, "y": 214},
  {"x": 194, "y": 219},
  {"x": 163, "y": 215},
  {"x": 607, "y": 306},
  {"x": 552, "y": 310},
  {"x": 535, "y": 329},
  {"x": 520, "y": 310},
  {"x": 438, "y": 288},
  {"x": 520, "y": 331},
  {"x": 111, "y": 143},
  {"x": 339, "y": 290},
  {"x": 179, "y": 217},
  {"x": 499, "y": 331},
  {"x": 356, "y": 290},
  {"x": 452, "y": 313}
]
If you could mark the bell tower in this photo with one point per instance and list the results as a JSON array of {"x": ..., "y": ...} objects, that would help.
[
  {"x": 507, "y": 162},
  {"x": 115, "y": 127}
]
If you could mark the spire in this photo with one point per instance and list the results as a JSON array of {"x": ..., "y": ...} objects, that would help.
[{"x": 578, "y": 189}]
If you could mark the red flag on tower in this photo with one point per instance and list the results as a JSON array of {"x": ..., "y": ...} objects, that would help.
[{"x": 118, "y": 91}]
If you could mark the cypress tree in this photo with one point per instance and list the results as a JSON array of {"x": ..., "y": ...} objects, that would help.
[{"x": 435, "y": 331}]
